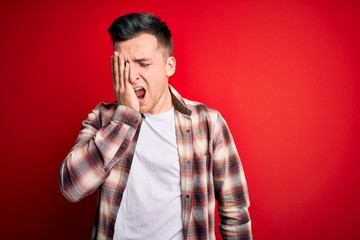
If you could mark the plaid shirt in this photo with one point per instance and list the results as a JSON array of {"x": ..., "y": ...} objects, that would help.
[{"x": 210, "y": 168}]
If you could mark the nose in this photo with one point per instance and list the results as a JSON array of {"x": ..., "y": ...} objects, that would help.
[{"x": 133, "y": 73}]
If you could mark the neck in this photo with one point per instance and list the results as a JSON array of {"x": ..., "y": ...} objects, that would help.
[{"x": 164, "y": 103}]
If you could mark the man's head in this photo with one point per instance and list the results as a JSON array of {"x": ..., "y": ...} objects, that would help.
[
  {"x": 143, "y": 45},
  {"x": 131, "y": 25}
]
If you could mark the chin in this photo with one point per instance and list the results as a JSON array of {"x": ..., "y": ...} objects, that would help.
[{"x": 143, "y": 110}]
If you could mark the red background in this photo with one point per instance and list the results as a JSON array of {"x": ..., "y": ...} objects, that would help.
[{"x": 285, "y": 75}]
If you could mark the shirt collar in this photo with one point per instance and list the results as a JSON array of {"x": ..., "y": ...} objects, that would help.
[{"x": 178, "y": 101}]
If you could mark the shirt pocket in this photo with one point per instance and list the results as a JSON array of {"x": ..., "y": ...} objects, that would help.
[
  {"x": 201, "y": 163},
  {"x": 202, "y": 175}
]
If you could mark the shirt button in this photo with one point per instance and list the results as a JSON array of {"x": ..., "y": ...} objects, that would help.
[
  {"x": 188, "y": 131},
  {"x": 187, "y": 196},
  {"x": 188, "y": 162}
]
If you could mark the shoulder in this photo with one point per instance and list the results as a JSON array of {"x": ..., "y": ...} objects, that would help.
[{"x": 201, "y": 111}]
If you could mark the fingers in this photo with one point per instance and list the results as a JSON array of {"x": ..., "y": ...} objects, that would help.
[
  {"x": 126, "y": 75},
  {"x": 119, "y": 72},
  {"x": 121, "y": 80},
  {"x": 124, "y": 70},
  {"x": 122, "y": 74},
  {"x": 115, "y": 70}
]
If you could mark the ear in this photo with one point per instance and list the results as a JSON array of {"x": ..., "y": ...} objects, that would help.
[{"x": 170, "y": 66}]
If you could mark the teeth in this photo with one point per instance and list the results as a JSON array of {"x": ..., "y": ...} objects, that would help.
[{"x": 138, "y": 88}]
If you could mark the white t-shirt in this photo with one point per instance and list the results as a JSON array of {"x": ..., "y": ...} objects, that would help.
[{"x": 151, "y": 204}]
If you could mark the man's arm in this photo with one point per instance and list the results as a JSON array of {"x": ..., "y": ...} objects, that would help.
[
  {"x": 230, "y": 186},
  {"x": 104, "y": 138}
]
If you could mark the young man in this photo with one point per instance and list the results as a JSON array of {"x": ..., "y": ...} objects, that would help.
[{"x": 159, "y": 160}]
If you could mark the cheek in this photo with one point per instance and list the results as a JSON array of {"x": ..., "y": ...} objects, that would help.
[{"x": 154, "y": 76}]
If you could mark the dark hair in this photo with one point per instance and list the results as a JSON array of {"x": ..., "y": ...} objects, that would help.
[{"x": 130, "y": 25}]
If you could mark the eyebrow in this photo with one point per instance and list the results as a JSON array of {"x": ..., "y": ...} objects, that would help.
[{"x": 144, "y": 59}]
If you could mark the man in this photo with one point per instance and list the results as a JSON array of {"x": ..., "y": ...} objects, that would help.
[{"x": 159, "y": 160}]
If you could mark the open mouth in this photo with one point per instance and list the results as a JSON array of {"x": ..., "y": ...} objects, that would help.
[{"x": 140, "y": 92}]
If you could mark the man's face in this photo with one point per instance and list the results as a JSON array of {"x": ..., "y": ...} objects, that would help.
[{"x": 150, "y": 69}]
